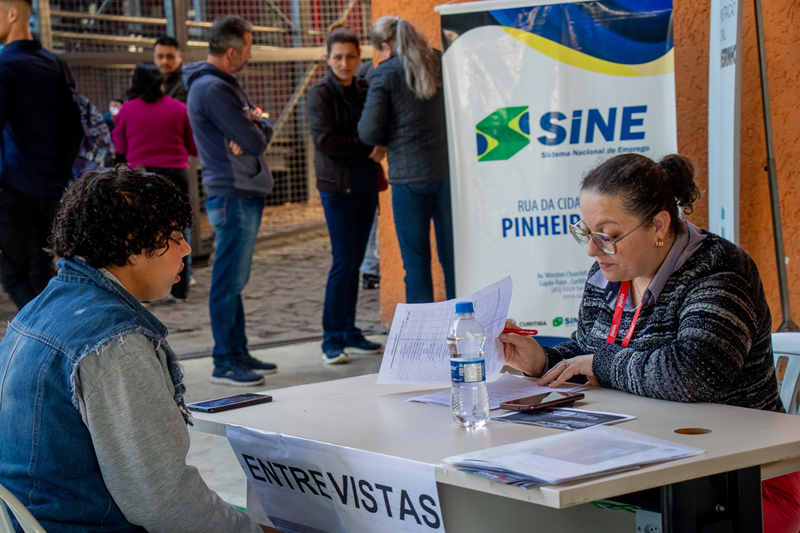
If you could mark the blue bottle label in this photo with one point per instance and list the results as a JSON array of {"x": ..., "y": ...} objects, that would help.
[{"x": 468, "y": 371}]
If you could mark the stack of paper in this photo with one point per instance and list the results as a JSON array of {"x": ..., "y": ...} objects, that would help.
[{"x": 569, "y": 456}]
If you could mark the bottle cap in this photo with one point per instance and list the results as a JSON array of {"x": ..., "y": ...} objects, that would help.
[{"x": 464, "y": 307}]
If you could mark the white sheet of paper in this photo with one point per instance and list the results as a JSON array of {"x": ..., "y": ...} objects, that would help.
[
  {"x": 505, "y": 388},
  {"x": 576, "y": 454},
  {"x": 305, "y": 485},
  {"x": 416, "y": 350}
]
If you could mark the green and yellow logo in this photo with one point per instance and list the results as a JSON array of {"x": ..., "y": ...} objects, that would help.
[
  {"x": 503, "y": 133},
  {"x": 557, "y": 321}
]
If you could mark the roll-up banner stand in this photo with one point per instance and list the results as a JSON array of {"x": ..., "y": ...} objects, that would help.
[
  {"x": 724, "y": 97},
  {"x": 537, "y": 93}
]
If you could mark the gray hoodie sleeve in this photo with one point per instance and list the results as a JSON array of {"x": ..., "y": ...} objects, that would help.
[{"x": 125, "y": 396}]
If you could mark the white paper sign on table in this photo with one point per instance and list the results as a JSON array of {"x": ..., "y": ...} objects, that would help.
[
  {"x": 305, "y": 485},
  {"x": 416, "y": 350}
]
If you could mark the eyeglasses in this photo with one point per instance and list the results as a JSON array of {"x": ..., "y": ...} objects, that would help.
[{"x": 603, "y": 241}]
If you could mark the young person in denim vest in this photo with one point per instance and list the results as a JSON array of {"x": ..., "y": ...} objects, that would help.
[
  {"x": 93, "y": 430},
  {"x": 348, "y": 178}
]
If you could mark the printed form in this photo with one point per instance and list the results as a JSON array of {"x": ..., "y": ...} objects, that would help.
[{"x": 416, "y": 350}]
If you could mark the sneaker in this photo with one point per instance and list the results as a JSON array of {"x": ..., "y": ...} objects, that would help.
[
  {"x": 175, "y": 299},
  {"x": 370, "y": 281},
  {"x": 235, "y": 375},
  {"x": 192, "y": 281},
  {"x": 335, "y": 356},
  {"x": 260, "y": 367},
  {"x": 363, "y": 346}
]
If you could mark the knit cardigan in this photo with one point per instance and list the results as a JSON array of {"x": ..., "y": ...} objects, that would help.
[{"x": 705, "y": 339}]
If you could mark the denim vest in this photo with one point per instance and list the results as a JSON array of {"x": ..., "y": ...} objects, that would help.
[{"x": 46, "y": 455}]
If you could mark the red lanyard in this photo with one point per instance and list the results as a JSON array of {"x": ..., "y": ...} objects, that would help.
[{"x": 622, "y": 296}]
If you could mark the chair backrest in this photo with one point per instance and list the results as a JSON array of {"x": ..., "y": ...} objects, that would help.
[
  {"x": 786, "y": 352},
  {"x": 26, "y": 520}
]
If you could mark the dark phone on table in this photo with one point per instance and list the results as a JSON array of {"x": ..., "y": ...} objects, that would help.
[
  {"x": 230, "y": 402},
  {"x": 542, "y": 401}
]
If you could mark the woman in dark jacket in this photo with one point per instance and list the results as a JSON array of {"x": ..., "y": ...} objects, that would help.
[
  {"x": 348, "y": 177},
  {"x": 405, "y": 112}
]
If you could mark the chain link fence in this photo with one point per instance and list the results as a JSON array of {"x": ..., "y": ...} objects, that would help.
[{"x": 104, "y": 39}]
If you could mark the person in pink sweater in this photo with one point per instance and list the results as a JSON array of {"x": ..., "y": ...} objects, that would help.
[{"x": 152, "y": 130}]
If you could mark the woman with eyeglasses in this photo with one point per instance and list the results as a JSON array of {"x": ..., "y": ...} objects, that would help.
[{"x": 669, "y": 310}]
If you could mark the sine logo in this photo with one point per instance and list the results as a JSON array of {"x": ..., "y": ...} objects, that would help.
[{"x": 503, "y": 133}]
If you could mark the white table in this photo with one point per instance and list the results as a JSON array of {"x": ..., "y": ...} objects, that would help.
[{"x": 744, "y": 446}]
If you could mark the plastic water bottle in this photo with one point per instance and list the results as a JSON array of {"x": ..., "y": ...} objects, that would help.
[{"x": 469, "y": 399}]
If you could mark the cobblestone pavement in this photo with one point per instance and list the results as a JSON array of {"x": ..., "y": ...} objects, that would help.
[{"x": 283, "y": 299}]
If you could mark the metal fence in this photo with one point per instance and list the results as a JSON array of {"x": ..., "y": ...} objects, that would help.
[{"x": 103, "y": 40}]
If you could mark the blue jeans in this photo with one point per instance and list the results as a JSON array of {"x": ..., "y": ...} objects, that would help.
[
  {"x": 414, "y": 205},
  {"x": 349, "y": 218},
  {"x": 236, "y": 222},
  {"x": 371, "y": 264}
]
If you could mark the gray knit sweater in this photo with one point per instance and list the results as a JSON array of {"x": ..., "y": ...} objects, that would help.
[{"x": 705, "y": 339}]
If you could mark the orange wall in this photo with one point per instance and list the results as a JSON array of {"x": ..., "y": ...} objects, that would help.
[{"x": 691, "y": 27}]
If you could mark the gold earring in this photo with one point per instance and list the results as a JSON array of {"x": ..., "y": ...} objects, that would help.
[{"x": 659, "y": 243}]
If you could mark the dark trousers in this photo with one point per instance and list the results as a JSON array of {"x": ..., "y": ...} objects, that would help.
[
  {"x": 25, "y": 224},
  {"x": 415, "y": 205},
  {"x": 349, "y": 218},
  {"x": 179, "y": 177}
]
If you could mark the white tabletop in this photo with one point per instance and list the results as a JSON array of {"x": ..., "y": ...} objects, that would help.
[{"x": 357, "y": 413}]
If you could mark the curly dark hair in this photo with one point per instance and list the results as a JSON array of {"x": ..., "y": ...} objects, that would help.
[
  {"x": 108, "y": 215},
  {"x": 146, "y": 83}
]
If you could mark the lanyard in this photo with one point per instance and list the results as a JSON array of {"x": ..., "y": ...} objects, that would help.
[{"x": 622, "y": 296}]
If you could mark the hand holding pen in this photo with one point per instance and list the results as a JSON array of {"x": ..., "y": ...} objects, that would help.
[{"x": 521, "y": 350}]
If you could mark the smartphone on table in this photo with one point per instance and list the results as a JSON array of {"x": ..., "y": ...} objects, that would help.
[
  {"x": 542, "y": 401},
  {"x": 230, "y": 402}
]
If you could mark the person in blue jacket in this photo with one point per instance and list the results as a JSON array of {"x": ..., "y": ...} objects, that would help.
[{"x": 231, "y": 135}]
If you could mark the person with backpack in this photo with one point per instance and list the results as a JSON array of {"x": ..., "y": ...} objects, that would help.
[{"x": 38, "y": 118}]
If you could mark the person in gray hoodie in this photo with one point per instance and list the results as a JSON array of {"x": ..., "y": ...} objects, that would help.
[{"x": 231, "y": 135}]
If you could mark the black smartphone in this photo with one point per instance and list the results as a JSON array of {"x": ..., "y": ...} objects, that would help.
[
  {"x": 230, "y": 402},
  {"x": 542, "y": 401}
]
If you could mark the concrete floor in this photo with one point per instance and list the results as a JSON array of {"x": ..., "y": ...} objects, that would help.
[{"x": 297, "y": 364}]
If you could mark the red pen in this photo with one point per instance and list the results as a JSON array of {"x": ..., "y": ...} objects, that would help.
[{"x": 519, "y": 331}]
